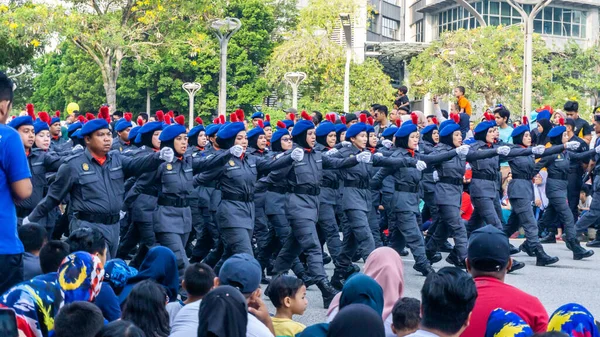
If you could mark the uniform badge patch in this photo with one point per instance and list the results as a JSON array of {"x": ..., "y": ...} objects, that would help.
[
  {"x": 85, "y": 166},
  {"x": 169, "y": 167},
  {"x": 231, "y": 163}
]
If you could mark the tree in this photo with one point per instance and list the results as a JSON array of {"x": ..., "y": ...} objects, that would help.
[{"x": 488, "y": 62}]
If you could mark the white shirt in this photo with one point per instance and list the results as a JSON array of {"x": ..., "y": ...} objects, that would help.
[
  {"x": 186, "y": 321},
  {"x": 422, "y": 333},
  {"x": 256, "y": 328}
]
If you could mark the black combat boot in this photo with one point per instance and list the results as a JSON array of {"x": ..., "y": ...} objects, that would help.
[
  {"x": 516, "y": 265},
  {"x": 327, "y": 291},
  {"x": 543, "y": 259},
  {"x": 526, "y": 248},
  {"x": 425, "y": 269},
  {"x": 578, "y": 251}
]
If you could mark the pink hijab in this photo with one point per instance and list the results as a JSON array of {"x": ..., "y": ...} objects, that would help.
[{"x": 384, "y": 265}]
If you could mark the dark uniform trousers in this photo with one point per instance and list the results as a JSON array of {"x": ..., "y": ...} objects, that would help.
[
  {"x": 590, "y": 217},
  {"x": 329, "y": 227},
  {"x": 557, "y": 207},
  {"x": 207, "y": 235},
  {"x": 450, "y": 224},
  {"x": 484, "y": 212},
  {"x": 357, "y": 237},
  {"x": 522, "y": 215},
  {"x": 11, "y": 269},
  {"x": 110, "y": 232},
  {"x": 373, "y": 217},
  {"x": 282, "y": 230},
  {"x": 264, "y": 240},
  {"x": 406, "y": 223}
]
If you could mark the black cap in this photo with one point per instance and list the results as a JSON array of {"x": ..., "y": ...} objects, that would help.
[
  {"x": 350, "y": 117},
  {"x": 488, "y": 249}
]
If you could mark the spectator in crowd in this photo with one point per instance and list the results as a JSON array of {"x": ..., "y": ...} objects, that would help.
[
  {"x": 406, "y": 316},
  {"x": 121, "y": 328},
  {"x": 117, "y": 273},
  {"x": 36, "y": 302},
  {"x": 15, "y": 182},
  {"x": 145, "y": 307},
  {"x": 90, "y": 240},
  {"x": 583, "y": 129},
  {"x": 557, "y": 115},
  {"x": 463, "y": 103},
  {"x": 33, "y": 237},
  {"x": 78, "y": 319},
  {"x": 159, "y": 265},
  {"x": 317, "y": 117},
  {"x": 447, "y": 300},
  {"x": 402, "y": 102},
  {"x": 243, "y": 272},
  {"x": 223, "y": 313},
  {"x": 357, "y": 320},
  {"x": 51, "y": 256},
  {"x": 288, "y": 295},
  {"x": 574, "y": 320},
  {"x": 198, "y": 280},
  {"x": 505, "y": 323},
  {"x": 381, "y": 119},
  {"x": 488, "y": 261}
]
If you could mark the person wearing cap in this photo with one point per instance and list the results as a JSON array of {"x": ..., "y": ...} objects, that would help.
[
  {"x": 122, "y": 129},
  {"x": 257, "y": 116},
  {"x": 543, "y": 127},
  {"x": 373, "y": 214},
  {"x": 488, "y": 261},
  {"x": 430, "y": 136},
  {"x": 268, "y": 129},
  {"x": 237, "y": 180},
  {"x": 557, "y": 166},
  {"x": 591, "y": 217},
  {"x": 242, "y": 272},
  {"x": 95, "y": 180},
  {"x": 577, "y": 169},
  {"x": 520, "y": 192},
  {"x": 582, "y": 129},
  {"x": 350, "y": 119},
  {"x": 405, "y": 209}
]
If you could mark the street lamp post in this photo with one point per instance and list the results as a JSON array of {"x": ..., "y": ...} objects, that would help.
[
  {"x": 294, "y": 79},
  {"x": 191, "y": 88},
  {"x": 538, "y": 5},
  {"x": 224, "y": 29},
  {"x": 347, "y": 26}
]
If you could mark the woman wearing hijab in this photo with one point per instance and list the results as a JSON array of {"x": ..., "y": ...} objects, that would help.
[
  {"x": 543, "y": 127},
  {"x": 373, "y": 215},
  {"x": 356, "y": 320},
  {"x": 430, "y": 136},
  {"x": 574, "y": 320},
  {"x": 223, "y": 313},
  {"x": 506, "y": 324},
  {"x": 37, "y": 302},
  {"x": 159, "y": 265}
]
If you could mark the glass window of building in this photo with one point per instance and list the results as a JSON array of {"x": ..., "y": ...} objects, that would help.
[
  {"x": 419, "y": 31},
  {"x": 389, "y": 28}
]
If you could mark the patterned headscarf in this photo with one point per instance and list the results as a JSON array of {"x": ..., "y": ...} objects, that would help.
[
  {"x": 502, "y": 323},
  {"x": 574, "y": 320},
  {"x": 80, "y": 277}
]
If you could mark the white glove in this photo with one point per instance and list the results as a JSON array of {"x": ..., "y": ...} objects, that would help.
[
  {"x": 26, "y": 221},
  {"x": 572, "y": 145},
  {"x": 503, "y": 150},
  {"x": 597, "y": 149},
  {"x": 363, "y": 157},
  {"x": 462, "y": 150},
  {"x": 77, "y": 148},
  {"x": 122, "y": 215},
  {"x": 421, "y": 165},
  {"x": 167, "y": 154},
  {"x": 436, "y": 176},
  {"x": 387, "y": 143},
  {"x": 330, "y": 152},
  {"x": 538, "y": 150},
  {"x": 378, "y": 154},
  {"x": 236, "y": 151},
  {"x": 298, "y": 154},
  {"x": 346, "y": 144}
]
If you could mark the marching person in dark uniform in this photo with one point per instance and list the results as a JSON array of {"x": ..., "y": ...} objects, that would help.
[
  {"x": 591, "y": 217},
  {"x": 268, "y": 130},
  {"x": 373, "y": 215},
  {"x": 122, "y": 128},
  {"x": 556, "y": 189},
  {"x": 576, "y": 169},
  {"x": 405, "y": 203},
  {"x": 396, "y": 238},
  {"x": 430, "y": 136},
  {"x": 257, "y": 116},
  {"x": 57, "y": 141},
  {"x": 95, "y": 180}
]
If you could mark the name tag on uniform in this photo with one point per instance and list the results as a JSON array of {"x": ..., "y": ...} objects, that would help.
[
  {"x": 253, "y": 165},
  {"x": 233, "y": 168},
  {"x": 319, "y": 160}
]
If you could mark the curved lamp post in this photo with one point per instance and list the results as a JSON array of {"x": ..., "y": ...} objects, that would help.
[
  {"x": 224, "y": 29},
  {"x": 191, "y": 88}
]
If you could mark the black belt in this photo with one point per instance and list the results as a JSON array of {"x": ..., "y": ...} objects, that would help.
[
  {"x": 210, "y": 184},
  {"x": 237, "y": 197},
  {"x": 404, "y": 188},
  {"x": 451, "y": 181},
  {"x": 277, "y": 189},
  {"x": 522, "y": 176},
  {"x": 305, "y": 190},
  {"x": 172, "y": 202},
  {"x": 23, "y": 212},
  {"x": 107, "y": 219},
  {"x": 558, "y": 176},
  {"x": 149, "y": 191},
  {"x": 483, "y": 176},
  {"x": 335, "y": 184},
  {"x": 356, "y": 184}
]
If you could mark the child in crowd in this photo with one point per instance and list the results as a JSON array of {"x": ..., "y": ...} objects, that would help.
[
  {"x": 51, "y": 256},
  {"x": 288, "y": 295},
  {"x": 406, "y": 316},
  {"x": 33, "y": 237},
  {"x": 78, "y": 319}
]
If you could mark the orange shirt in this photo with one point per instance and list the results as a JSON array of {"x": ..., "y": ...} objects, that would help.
[
  {"x": 99, "y": 159},
  {"x": 464, "y": 104}
]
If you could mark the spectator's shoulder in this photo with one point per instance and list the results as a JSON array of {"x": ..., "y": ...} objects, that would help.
[{"x": 8, "y": 134}]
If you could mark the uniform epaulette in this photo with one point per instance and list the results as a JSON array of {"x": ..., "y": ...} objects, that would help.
[{"x": 71, "y": 157}]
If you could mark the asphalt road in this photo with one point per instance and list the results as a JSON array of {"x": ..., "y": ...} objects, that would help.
[{"x": 564, "y": 282}]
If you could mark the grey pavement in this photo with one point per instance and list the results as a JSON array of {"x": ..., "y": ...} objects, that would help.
[{"x": 564, "y": 282}]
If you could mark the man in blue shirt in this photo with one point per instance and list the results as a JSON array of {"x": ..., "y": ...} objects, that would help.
[{"x": 15, "y": 183}]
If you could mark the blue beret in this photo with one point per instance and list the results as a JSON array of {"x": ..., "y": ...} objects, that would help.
[
  {"x": 325, "y": 128},
  {"x": 302, "y": 126},
  {"x": 20, "y": 121},
  {"x": 256, "y": 131},
  {"x": 519, "y": 130},
  {"x": 230, "y": 130},
  {"x": 483, "y": 126},
  {"x": 122, "y": 124},
  {"x": 278, "y": 134},
  {"x": 405, "y": 130},
  {"x": 258, "y": 115},
  {"x": 267, "y": 124},
  {"x": 55, "y": 120},
  {"x": 93, "y": 126},
  {"x": 389, "y": 131},
  {"x": 288, "y": 123},
  {"x": 340, "y": 128},
  {"x": 148, "y": 128},
  {"x": 77, "y": 134},
  {"x": 446, "y": 122},
  {"x": 557, "y": 131},
  {"x": 355, "y": 129},
  {"x": 39, "y": 126},
  {"x": 171, "y": 132},
  {"x": 370, "y": 129},
  {"x": 429, "y": 128},
  {"x": 74, "y": 126},
  {"x": 449, "y": 129},
  {"x": 133, "y": 133},
  {"x": 195, "y": 131},
  {"x": 469, "y": 141},
  {"x": 544, "y": 114},
  {"x": 212, "y": 129}
]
